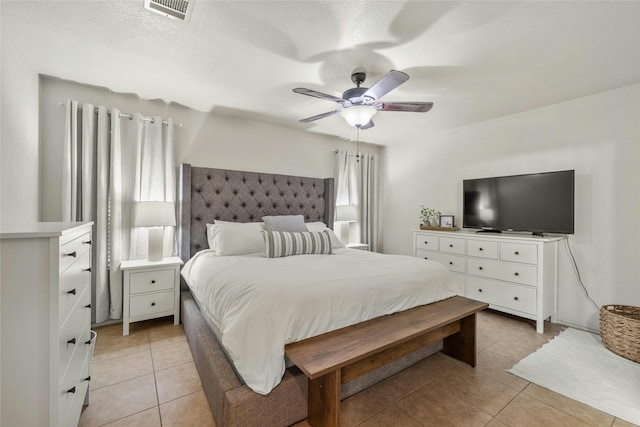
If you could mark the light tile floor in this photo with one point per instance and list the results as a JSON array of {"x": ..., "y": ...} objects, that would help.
[{"x": 149, "y": 379}]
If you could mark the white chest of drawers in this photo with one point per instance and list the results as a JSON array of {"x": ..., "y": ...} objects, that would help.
[
  {"x": 45, "y": 322},
  {"x": 151, "y": 289},
  {"x": 514, "y": 274}
]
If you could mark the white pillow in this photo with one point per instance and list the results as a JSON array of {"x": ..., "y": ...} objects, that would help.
[
  {"x": 289, "y": 223},
  {"x": 321, "y": 226},
  {"x": 235, "y": 238}
]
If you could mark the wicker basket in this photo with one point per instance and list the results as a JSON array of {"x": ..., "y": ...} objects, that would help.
[{"x": 620, "y": 330}]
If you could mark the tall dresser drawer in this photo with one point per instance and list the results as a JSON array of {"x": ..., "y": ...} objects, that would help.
[
  {"x": 482, "y": 249},
  {"x": 76, "y": 330},
  {"x": 71, "y": 251},
  {"x": 152, "y": 281},
  {"x": 452, "y": 262},
  {"x": 513, "y": 297},
  {"x": 508, "y": 271},
  {"x": 519, "y": 252},
  {"x": 452, "y": 246},
  {"x": 147, "y": 304},
  {"x": 73, "y": 281}
]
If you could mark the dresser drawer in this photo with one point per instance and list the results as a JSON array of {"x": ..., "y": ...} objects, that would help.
[
  {"x": 150, "y": 281},
  {"x": 452, "y": 246},
  {"x": 73, "y": 282},
  {"x": 507, "y": 295},
  {"x": 519, "y": 252},
  {"x": 509, "y": 271},
  {"x": 73, "y": 388},
  {"x": 71, "y": 251},
  {"x": 148, "y": 304},
  {"x": 452, "y": 262},
  {"x": 482, "y": 249},
  {"x": 428, "y": 242},
  {"x": 75, "y": 332}
]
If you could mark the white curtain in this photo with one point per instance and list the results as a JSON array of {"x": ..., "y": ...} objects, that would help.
[
  {"x": 108, "y": 164},
  {"x": 356, "y": 184}
]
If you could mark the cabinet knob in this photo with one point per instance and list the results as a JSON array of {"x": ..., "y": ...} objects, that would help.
[
  {"x": 72, "y": 291},
  {"x": 153, "y": 304},
  {"x": 73, "y": 254},
  {"x": 71, "y": 341},
  {"x": 72, "y": 390},
  {"x": 515, "y": 298},
  {"x": 479, "y": 268},
  {"x": 426, "y": 258},
  {"x": 480, "y": 249},
  {"x": 88, "y": 242},
  {"x": 516, "y": 274},
  {"x": 153, "y": 281},
  {"x": 87, "y": 269},
  {"x": 450, "y": 262},
  {"x": 479, "y": 290},
  {"x": 88, "y": 378},
  {"x": 87, "y": 306},
  {"x": 87, "y": 342},
  {"x": 450, "y": 245},
  {"x": 516, "y": 253}
]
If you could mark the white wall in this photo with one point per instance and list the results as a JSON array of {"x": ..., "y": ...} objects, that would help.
[
  {"x": 206, "y": 139},
  {"x": 19, "y": 136},
  {"x": 598, "y": 136}
]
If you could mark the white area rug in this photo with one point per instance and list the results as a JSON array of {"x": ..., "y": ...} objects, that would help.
[{"x": 576, "y": 364}]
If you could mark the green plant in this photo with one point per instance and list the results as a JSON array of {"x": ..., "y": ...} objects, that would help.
[{"x": 427, "y": 215}]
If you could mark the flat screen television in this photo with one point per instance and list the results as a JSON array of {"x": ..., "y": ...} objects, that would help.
[{"x": 538, "y": 202}]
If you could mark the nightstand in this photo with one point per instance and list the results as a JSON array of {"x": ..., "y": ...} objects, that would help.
[
  {"x": 361, "y": 246},
  {"x": 151, "y": 289}
]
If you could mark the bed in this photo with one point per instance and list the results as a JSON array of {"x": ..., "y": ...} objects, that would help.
[{"x": 208, "y": 195}]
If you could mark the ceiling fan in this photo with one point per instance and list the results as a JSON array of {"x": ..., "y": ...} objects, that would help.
[{"x": 360, "y": 104}]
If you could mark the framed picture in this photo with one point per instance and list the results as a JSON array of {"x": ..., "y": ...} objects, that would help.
[{"x": 446, "y": 221}]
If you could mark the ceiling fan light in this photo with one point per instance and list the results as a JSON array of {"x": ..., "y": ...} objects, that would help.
[{"x": 358, "y": 115}]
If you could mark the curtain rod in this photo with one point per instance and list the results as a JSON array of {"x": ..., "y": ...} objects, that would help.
[{"x": 128, "y": 116}]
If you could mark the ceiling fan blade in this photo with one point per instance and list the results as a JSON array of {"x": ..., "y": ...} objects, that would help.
[
  {"x": 412, "y": 107},
  {"x": 317, "y": 94},
  {"x": 386, "y": 84},
  {"x": 320, "y": 116},
  {"x": 368, "y": 125}
]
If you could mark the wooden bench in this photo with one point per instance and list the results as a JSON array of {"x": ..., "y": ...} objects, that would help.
[{"x": 337, "y": 357}]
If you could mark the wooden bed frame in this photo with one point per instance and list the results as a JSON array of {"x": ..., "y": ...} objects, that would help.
[{"x": 206, "y": 195}]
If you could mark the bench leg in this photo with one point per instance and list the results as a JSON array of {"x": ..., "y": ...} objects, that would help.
[
  {"x": 324, "y": 400},
  {"x": 462, "y": 345}
]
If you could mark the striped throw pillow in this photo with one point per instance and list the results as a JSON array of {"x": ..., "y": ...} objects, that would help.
[{"x": 283, "y": 243}]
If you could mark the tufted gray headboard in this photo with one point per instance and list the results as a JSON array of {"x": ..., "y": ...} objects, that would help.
[{"x": 207, "y": 194}]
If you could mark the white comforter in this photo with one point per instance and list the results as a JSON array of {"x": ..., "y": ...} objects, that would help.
[{"x": 260, "y": 304}]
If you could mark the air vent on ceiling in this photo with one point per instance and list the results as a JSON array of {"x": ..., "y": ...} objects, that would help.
[{"x": 177, "y": 9}]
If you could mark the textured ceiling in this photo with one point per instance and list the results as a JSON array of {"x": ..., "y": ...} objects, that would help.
[{"x": 475, "y": 60}]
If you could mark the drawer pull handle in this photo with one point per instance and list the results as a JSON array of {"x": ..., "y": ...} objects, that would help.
[
  {"x": 480, "y": 249},
  {"x": 87, "y": 306},
  {"x": 450, "y": 262},
  {"x": 71, "y": 341},
  {"x": 88, "y": 242},
  {"x": 426, "y": 258},
  {"x": 450, "y": 245},
  {"x": 516, "y": 253},
  {"x": 426, "y": 243},
  {"x": 516, "y": 274},
  {"x": 479, "y": 290},
  {"x": 73, "y": 254},
  {"x": 87, "y": 269},
  {"x": 87, "y": 342},
  {"x": 72, "y": 291},
  {"x": 88, "y": 378},
  {"x": 153, "y": 281},
  {"x": 515, "y": 298},
  {"x": 153, "y": 304},
  {"x": 72, "y": 390},
  {"x": 479, "y": 268}
]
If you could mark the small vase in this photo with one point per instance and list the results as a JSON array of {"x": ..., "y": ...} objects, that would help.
[{"x": 433, "y": 223}]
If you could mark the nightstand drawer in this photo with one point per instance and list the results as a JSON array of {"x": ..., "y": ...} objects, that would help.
[
  {"x": 150, "y": 281},
  {"x": 144, "y": 305}
]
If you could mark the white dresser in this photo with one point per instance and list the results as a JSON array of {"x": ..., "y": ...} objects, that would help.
[
  {"x": 45, "y": 322},
  {"x": 513, "y": 273}
]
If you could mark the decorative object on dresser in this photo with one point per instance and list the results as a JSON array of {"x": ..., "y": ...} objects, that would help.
[
  {"x": 447, "y": 221},
  {"x": 151, "y": 289},
  {"x": 429, "y": 217},
  {"x": 513, "y": 273},
  {"x": 46, "y": 322},
  {"x": 155, "y": 215}
]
